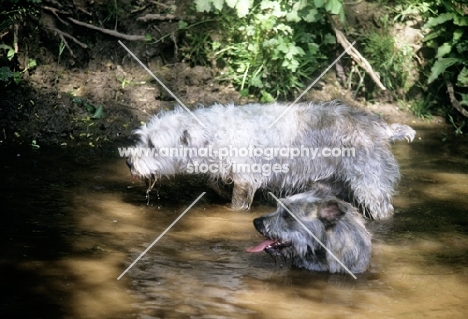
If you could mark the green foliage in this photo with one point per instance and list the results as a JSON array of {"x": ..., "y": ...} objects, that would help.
[
  {"x": 13, "y": 11},
  {"x": 447, "y": 27},
  {"x": 390, "y": 61},
  {"x": 97, "y": 111},
  {"x": 446, "y": 36},
  {"x": 7, "y": 75},
  {"x": 268, "y": 48},
  {"x": 446, "y": 33}
]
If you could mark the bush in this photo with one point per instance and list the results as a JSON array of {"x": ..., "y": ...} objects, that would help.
[{"x": 266, "y": 48}]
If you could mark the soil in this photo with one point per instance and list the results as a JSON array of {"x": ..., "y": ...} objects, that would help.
[{"x": 55, "y": 102}]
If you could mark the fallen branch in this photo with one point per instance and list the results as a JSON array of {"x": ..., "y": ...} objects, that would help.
[
  {"x": 109, "y": 32},
  {"x": 56, "y": 13},
  {"x": 356, "y": 56},
  {"x": 156, "y": 16},
  {"x": 454, "y": 101},
  {"x": 81, "y": 44}
]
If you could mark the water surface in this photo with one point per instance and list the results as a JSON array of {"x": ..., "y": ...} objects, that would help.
[{"x": 73, "y": 221}]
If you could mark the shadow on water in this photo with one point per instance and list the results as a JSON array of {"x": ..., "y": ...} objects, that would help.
[{"x": 73, "y": 221}]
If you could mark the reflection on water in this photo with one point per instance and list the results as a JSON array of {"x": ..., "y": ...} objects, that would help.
[{"x": 73, "y": 221}]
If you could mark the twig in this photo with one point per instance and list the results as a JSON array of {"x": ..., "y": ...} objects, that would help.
[
  {"x": 81, "y": 44},
  {"x": 109, "y": 32},
  {"x": 15, "y": 37},
  {"x": 139, "y": 9},
  {"x": 156, "y": 16},
  {"x": 56, "y": 13},
  {"x": 62, "y": 37},
  {"x": 454, "y": 101},
  {"x": 357, "y": 57},
  {"x": 5, "y": 32}
]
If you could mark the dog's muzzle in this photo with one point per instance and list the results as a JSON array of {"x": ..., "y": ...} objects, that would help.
[{"x": 270, "y": 245}]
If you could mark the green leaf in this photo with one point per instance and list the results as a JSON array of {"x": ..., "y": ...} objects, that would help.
[
  {"x": 457, "y": 34},
  {"x": 334, "y": 6},
  {"x": 319, "y": 3},
  {"x": 329, "y": 39},
  {"x": 34, "y": 144},
  {"x": 232, "y": 3},
  {"x": 218, "y": 4},
  {"x": 464, "y": 100},
  {"x": 460, "y": 20},
  {"x": 243, "y": 7},
  {"x": 99, "y": 113},
  {"x": 432, "y": 35},
  {"x": 244, "y": 92},
  {"x": 462, "y": 78},
  {"x": 89, "y": 107},
  {"x": 148, "y": 37},
  {"x": 215, "y": 45},
  {"x": 282, "y": 46},
  {"x": 5, "y": 74},
  {"x": 77, "y": 100},
  {"x": 312, "y": 16},
  {"x": 32, "y": 63},
  {"x": 10, "y": 54},
  {"x": 266, "y": 97},
  {"x": 440, "y": 66},
  {"x": 441, "y": 18},
  {"x": 17, "y": 77},
  {"x": 182, "y": 25},
  {"x": 444, "y": 49},
  {"x": 203, "y": 5},
  {"x": 275, "y": 8},
  {"x": 293, "y": 16},
  {"x": 256, "y": 81},
  {"x": 5, "y": 47}
]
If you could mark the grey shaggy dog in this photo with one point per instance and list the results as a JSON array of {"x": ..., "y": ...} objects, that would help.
[
  {"x": 368, "y": 177},
  {"x": 335, "y": 223}
]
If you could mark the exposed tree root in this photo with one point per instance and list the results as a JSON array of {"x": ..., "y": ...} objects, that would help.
[
  {"x": 356, "y": 56},
  {"x": 454, "y": 101},
  {"x": 156, "y": 16},
  {"x": 109, "y": 32}
]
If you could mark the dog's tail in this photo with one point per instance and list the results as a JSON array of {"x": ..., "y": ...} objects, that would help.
[{"x": 400, "y": 132}]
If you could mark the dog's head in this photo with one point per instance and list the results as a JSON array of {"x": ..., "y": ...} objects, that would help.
[
  {"x": 159, "y": 148},
  {"x": 299, "y": 233}
]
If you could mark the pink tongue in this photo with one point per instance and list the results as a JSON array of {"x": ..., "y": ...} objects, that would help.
[{"x": 261, "y": 246}]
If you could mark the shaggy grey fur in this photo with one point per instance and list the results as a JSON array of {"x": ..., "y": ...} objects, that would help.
[
  {"x": 368, "y": 178},
  {"x": 335, "y": 223}
]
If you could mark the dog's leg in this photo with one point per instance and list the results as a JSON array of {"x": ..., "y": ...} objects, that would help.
[
  {"x": 373, "y": 193},
  {"x": 242, "y": 196}
]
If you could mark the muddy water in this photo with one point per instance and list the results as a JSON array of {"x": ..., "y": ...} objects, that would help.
[{"x": 72, "y": 221}]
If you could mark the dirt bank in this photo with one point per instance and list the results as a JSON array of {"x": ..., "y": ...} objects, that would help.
[{"x": 99, "y": 94}]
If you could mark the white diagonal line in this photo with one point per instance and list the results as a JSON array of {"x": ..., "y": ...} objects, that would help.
[
  {"x": 313, "y": 83},
  {"x": 311, "y": 234},
  {"x": 160, "y": 236},
  {"x": 162, "y": 84}
]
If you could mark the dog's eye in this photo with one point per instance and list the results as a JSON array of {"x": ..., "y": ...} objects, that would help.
[{"x": 286, "y": 215}]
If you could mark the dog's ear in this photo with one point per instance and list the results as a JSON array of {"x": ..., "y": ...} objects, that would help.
[{"x": 331, "y": 211}]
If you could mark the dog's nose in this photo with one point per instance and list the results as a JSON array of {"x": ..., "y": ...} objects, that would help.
[
  {"x": 129, "y": 163},
  {"x": 258, "y": 223}
]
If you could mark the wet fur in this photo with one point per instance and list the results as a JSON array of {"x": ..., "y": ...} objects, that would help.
[
  {"x": 369, "y": 178},
  {"x": 335, "y": 223}
]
